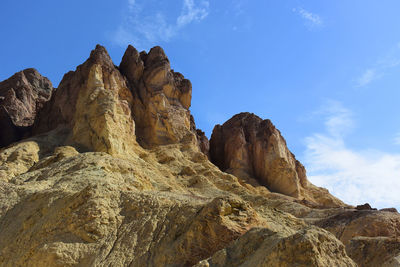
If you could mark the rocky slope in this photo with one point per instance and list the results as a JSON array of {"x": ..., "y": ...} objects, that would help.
[{"x": 110, "y": 170}]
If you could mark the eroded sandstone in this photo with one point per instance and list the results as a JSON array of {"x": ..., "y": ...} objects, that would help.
[
  {"x": 161, "y": 97},
  {"x": 253, "y": 149},
  {"x": 117, "y": 174}
]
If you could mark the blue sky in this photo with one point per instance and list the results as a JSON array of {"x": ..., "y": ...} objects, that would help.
[{"x": 325, "y": 72}]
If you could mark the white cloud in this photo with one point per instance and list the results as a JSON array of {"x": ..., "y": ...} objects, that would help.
[
  {"x": 192, "y": 12},
  {"x": 381, "y": 67},
  {"x": 146, "y": 23},
  {"x": 367, "y": 77},
  {"x": 355, "y": 176},
  {"x": 311, "y": 19}
]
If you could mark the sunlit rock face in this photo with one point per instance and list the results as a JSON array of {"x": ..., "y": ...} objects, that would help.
[
  {"x": 112, "y": 171},
  {"x": 95, "y": 103},
  {"x": 21, "y": 97},
  {"x": 162, "y": 98}
]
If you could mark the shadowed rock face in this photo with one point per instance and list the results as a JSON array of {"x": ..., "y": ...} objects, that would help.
[
  {"x": 248, "y": 146},
  {"x": 21, "y": 97}
]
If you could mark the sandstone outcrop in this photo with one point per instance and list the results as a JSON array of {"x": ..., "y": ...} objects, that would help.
[
  {"x": 262, "y": 247},
  {"x": 95, "y": 104},
  {"x": 115, "y": 173},
  {"x": 253, "y": 149},
  {"x": 247, "y": 146},
  {"x": 162, "y": 98},
  {"x": 21, "y": 97},
  {"x": 369, "y": 223}
]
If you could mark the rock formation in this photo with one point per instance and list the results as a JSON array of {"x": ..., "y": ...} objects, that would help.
[
  {"x": 21, "y": 97},
  {"x": 112, "y": 171},
  {"x": 162, "y": 97},
  {"x": 95, "y": 103},
  {"x": 253, "y": 149},
  {"x": 262, "y": 247}
]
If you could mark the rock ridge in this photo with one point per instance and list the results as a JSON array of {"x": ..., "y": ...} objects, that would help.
[{"x": 109, "y": 169}]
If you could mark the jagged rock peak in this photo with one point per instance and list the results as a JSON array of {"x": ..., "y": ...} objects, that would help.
[
  {"x": 99, "y": 55},
  {"x": 144, "y": 86},
  {"x": 156, "y": 56},
  {"x": 162, "y": 98},
  {"x": 95, "y": 104},
  {"x": 21, "y": 96},
  {"x": 132, "y": 65}
]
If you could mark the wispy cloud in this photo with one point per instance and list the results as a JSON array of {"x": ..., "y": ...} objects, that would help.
[
  {"x": 367, "y": 77},
  {"x": 355, "y": 176},
  {"x": 191, "y": 12},
  {"x": 311, "y": 20},
  {"x": 381, "y": 67},
  {"x": 146, "y": 23}
]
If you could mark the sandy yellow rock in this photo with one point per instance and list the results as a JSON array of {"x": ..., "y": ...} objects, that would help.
[
  {"x": 263, "y": 247},
  {"x": 18, "y": 159}
]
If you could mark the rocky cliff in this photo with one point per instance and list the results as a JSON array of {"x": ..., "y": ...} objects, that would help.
[{"x": 109, "y": 169}]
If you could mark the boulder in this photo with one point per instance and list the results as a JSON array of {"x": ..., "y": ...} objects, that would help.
[
  {"x": 21, "y": 97},
  {"x": 251, "y": 148},
  {"x": 248, "y": 146}
]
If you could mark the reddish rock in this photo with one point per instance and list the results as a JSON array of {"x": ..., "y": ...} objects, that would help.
[
  {"x": 21, "y": 97},
  {"x": 203, "y": 142},
  {"x": 248, "y": 146},
  {"x": 253, "y": 149}
]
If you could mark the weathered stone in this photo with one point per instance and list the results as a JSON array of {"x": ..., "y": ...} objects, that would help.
[
  {"x": 95, "y": 103},
  {"x": 369, "y": 223},
  {"x": 246, "y": 145},
  {"x": 161, "y": 98},
  {"x": 262, "y": 247},
  {"x": 249, "y": 147},
  {"x": 21, "y": 97},
  {"x": 82, "y": 192},
  {"x": 203, "y": 142},
  {"x": 375, "y": 251}
]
